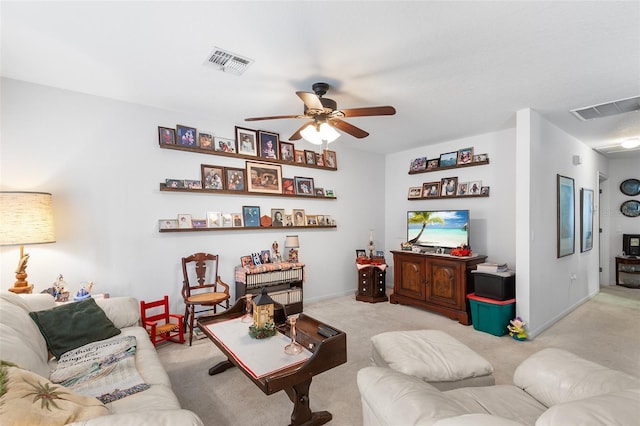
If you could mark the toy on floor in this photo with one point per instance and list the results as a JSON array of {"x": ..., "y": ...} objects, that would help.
[{"x": 516, "y": 329}]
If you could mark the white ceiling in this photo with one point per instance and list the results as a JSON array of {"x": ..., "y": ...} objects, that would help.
[{"x": 451, "y": 69}]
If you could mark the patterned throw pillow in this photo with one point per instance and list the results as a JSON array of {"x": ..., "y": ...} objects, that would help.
[{"x": 29, "y": 399}]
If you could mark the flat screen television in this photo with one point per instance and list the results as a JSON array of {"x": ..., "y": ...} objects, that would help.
[{"x": 438, "y": 228}]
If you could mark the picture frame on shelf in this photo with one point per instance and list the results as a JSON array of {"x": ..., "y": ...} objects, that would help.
[
  {"x": 199, "y": 223},
  {"x": 448, "y": 159},
  {"x": 329, "y": 193},
  {"x": 186, "y": 136},
  {"x": 586, "y": 219},
  {"x": 168, "y": 223},
  {"x": 479, "y": 158},
  {"x": 192, "y": 184},
  {"x": 269, "y": 145},
  {"x": 361, "y": 253},
  {"x": 378, "y": 253},
  {"x": 288, "y": 219},
  {"x": 433, "y": 164},
  {"x": 265, "y": 256},
  {"x": 475, "y": 187},
  {"x": 251, "y": 216},
  {"x": 214, "y": 219},
  {"x": 288, "y": 186},
  {"x": 465, "y": 156},
  {"x": 299, "y": 217},
  {"x": 448, "y": 186},
  {"x": 277, "y": 217},
  {"x": 246, "y": 261},
  {"x": 322, "y": 220},
  {"x": 330, "y": 221},
  {"x": 319, "y": 192},
  {"x": 184, "y": 221},
  {"x": 430, "y": 190},
  {"x": 319, "y": 159},
  {"x": 246, "y": 141},
  {"x": 485, "y": 190},
  {"x": 227, "y": 220},
  {"x": 205, "y": 140},
  {"x": 565, "y": 216},
  {"x": 234, "y": 179},
  {"x": 166, "y": 136},
  {"x": 304, "y": 186},
  {"x": 312, "y": 220},
  {"x": 330, "y": 159},
  {"x": 309, "y": 157},
  {"x": 224, "y": 145},
  {"x": 415, "y": 192},
  {"x": 463, "y": 189},
  {"x": 299, "y": 156},
  {"x": 236, "y": 220},
  {"x": 287, "y": 151},
  {"x": 264, "y": 178},
  {"x": 418, "y": 164},
  {"x": 174, "y": 183},
  {"x": 212, "y": 177}
]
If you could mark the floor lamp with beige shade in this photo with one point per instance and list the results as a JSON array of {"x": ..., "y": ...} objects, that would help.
[{"x": 25, "y": 218}]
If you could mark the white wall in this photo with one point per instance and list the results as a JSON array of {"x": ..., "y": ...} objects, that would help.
[{"x": 101, "y": 161}]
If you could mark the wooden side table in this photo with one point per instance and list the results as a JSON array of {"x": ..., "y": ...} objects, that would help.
[
  {"x": 628, "y": 269},
  {"x": 371, "y": 283}
]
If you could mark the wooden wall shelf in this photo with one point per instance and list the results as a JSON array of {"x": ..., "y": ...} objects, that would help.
[
  {"x": 448, "y": 196},
  {"x": 164, "y": 187},
  {"x": 248, "y": 228},
  {"x": 457, "y": 166},
  {"x": 244, "y": 157}
]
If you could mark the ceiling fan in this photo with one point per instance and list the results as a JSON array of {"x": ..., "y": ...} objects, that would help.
[{"x": 324, "y": 115}]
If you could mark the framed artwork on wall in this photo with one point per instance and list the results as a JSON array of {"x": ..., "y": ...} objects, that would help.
[
  {"x": 266, "y": 178},
  {"x": 304, "y": 186},
  {"x": 586, "y": 219},
  {"x": 234, "y": 179},
  {"x": 448, "y": 159},
  {"x": 186, "y": 136},
  {"x": 246, "y": 141},
  {"x": 166, "y": 136},
  {"x": 212, "y": 176},
  {"x": 566, "y": 216},
  {"x": 251, "y": 216},
  {"x": 269, "y": 145}
]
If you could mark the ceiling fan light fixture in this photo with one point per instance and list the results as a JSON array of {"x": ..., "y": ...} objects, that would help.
[{"x": 318, "y": 133}]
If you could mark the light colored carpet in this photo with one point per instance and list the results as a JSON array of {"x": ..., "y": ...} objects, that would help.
[{"x": 602, "y": 330}]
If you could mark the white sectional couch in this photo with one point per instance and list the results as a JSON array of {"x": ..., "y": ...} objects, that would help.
[
  {"x": 551, "y": 387},
  {"x": 22, "y": 343}
]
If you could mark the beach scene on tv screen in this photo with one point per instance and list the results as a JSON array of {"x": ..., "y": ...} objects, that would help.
[{"x": 445, "y": 228}]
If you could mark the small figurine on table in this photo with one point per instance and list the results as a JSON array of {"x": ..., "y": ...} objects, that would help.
[{"x": 84, "y": 292}]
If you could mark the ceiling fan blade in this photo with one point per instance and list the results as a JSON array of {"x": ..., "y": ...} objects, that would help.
[
  {"x": 348, "y": 128},
  {"x": 311, "y": 101},
  {"x": 364, "y": 112},
  {"x": 297, "y": 136},
  {"x": 274, "y": 117}
]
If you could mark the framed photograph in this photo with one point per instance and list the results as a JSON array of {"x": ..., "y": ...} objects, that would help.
[
  {"x": 378, "y": 253},
  {"x": 246, "y": 261},
  {"x": 433, "y": 164},
  {"x": 214, "y": 219},
  {"x": 480, "y": 158},
  {"x": 227, "y": 220},
  {"x": 236, "y": 220},
  {"x": 199, "y": 223},
  {"x": 299, "y": 156},
  {"x": 431, "y": 189},
  {"x": 184, "y": 221},
  {"x": 251, "y": 216},
  {"x": 329, "y": 193},
  {"x": 319, "y": 192},
  {"x": 299, "y": 217},
  {"x": 465, "y": 156},
  {"x": 247, "y": 141},
  {"x": 256, "y": 259},
  {"x": 463, "y": 188},
  {"x": 319, "y": 159},
  {"x": 630, "y": 187},
  {"x": 265, "y": 178},
  {"x": 288, "y": 219},
  {"x": 287, "y": 151},
  {"x": 586, "y": 219},
  {"x": 449, "y": 159},
  {"x": 309, "y": 157},
  {"x": 448, "y": 186},
  {"x": 361, "y": 253},
  {"x": 418, "y": 164},
  {"x": 234, "y": 179},
  {"x": 415, "y": 192},
  {"x": 312, "y": 220},
  {"x": 630, "y": 208},
  {"x": 277, "y": 217},
  {"x": 288, "y": 186},
  {"x": 475, "y": 187},
  {"x": 168, "y": 223},
  {"x": 212, "y": 176},
  {"x": 304, "y": 185},
  {"x": 566, "y": 216},
  {"x": 185, "y": 136},
  {"x": 174, "y": 183},
  {"x": 485, "y": 190},
  {"x": 269, "y": 145},
  {"x": 205, "y": 140},
  {"x": 265, "y": 256},
  {"x": 166, "y": 136},
  {"x": 330, "y": 159},
  {"x": 224, "y": 145},
  {"x": 193, "y": 184},
  {"x": 322, "y": 220}
]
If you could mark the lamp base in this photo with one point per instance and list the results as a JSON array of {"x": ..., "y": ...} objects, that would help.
[{"x": 21, "y": 285}]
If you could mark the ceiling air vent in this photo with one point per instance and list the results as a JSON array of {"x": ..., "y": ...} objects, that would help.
[
  {"x": 228, "y": 62},
  {"x": 608, "y": 109}
]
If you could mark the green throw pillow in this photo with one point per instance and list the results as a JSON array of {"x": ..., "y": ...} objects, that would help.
[{"x": 72, "y": 325}]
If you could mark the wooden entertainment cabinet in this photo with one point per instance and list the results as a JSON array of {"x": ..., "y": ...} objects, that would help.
[{"x": 436, "y": 282}]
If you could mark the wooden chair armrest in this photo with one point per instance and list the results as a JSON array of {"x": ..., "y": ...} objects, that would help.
[
  {"x": 151, "y": 324},
  {"x": 223, "y": 284}
]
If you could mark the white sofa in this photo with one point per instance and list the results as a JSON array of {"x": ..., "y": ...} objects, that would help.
[
  {"x": 551, "y": 387},
  {"x": 22, "y": 343}
]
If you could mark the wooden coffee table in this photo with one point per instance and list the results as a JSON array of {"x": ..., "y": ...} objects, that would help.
[{"x": 323, "y": 353}]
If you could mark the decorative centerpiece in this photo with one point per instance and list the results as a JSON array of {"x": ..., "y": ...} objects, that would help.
[{"x": 263, "y": 325}]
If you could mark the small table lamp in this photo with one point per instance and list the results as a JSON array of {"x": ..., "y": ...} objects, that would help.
[
  {"x": 25, "y": 218},
  {"x": 292, "y": 243}
]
